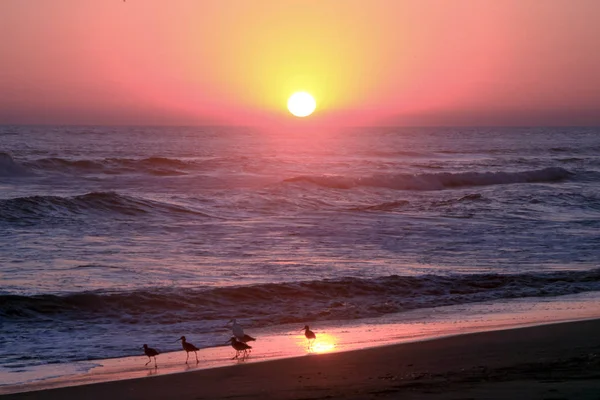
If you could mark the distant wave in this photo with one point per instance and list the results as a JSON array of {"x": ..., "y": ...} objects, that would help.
[
  {"x": 396, "y": 153},
  {"x": 388, "y": 206},
  {"x": 401, "y": 204},
  {"x": 36, "y": 207},
  {"x": 437, "y": 181},
  {"x": 471, "y": 197},
  {"x": 153, "y": 166},
  {"x": 537, "y": 151},
  {"x": 9, "y": 168},
  {"x": 271, "y": 304}
]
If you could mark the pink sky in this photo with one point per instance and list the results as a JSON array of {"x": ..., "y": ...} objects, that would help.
[{"x": 421, "y": 62}]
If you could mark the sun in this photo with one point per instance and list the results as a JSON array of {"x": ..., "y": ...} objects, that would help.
[{"x": 301, "y": 104}]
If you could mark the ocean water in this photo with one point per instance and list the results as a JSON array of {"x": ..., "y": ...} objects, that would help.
[{"x": 114, "y": 237}]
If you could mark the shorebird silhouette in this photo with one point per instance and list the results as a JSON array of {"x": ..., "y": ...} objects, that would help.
[
  {"x": 310, "y": 335},
  {"x": 150, "y": 352},
  {"x": 239, "y": 347},
  {"x": 188, "y": 347}
]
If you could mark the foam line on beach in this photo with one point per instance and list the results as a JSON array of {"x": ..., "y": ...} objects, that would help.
[{"x": 286, "y": 341}]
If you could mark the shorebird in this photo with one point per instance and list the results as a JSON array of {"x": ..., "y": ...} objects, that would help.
[
  {"x": 310, "y": 335},
  {"x": 150, "y": 352},
  {"x": 239, "y": 347},
  {"x": 237, "y": 329},
  {"x": 188, "y": 347},
  {"x": 238, "y": 332}
]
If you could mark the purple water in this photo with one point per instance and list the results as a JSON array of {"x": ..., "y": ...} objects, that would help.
[{"x": 112, "y": 233}]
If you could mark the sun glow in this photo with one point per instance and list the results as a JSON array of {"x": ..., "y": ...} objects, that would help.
[
  {"x": 323, "y": 347},
  {"x": 324, "y": 343},
  {"x": 301, "y": 104}
]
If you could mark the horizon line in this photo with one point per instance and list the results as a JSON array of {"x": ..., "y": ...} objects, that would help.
[{"x": 275, "y": 125}]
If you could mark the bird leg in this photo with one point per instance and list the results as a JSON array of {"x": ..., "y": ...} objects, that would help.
[
  {"x": 155, "y": 366},
  {"x": 149, "y": 359},
  {"x": 196, "y": 354},
  {"x": 188, "y": 356}
]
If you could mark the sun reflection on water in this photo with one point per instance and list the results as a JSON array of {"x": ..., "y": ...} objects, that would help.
[{"x": 324, "y": 343}]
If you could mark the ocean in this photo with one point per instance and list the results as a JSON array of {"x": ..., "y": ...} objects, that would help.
[{"x": 111, "y": 237}]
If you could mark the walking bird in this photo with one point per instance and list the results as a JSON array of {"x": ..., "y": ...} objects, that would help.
[
  {"x": 239, "y": 347},
  {"x": 150, "y": 352},
  {"x": 188, "y": 347},
  {"x": 310, "y": 335}
]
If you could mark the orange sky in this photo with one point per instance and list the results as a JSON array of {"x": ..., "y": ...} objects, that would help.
[{"x": 421, "y": 62}]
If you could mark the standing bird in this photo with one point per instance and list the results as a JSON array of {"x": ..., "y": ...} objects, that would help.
[
  {"x": 310, "y": 335},
  {"x": 239, "y": 334},
  {"x": 150, "y": 352},
  {"x": 239, "y": 347},
  {"x": 237, "y": 329},
  {"x": 188, "y": 347}
]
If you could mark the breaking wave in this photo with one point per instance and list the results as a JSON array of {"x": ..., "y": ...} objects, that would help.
[
  {"x": 279, "y": 303},
  {"x": 437, "y": 181},
  {"x": 161, "y": 166},
  {"x": 37, "y": 207}
]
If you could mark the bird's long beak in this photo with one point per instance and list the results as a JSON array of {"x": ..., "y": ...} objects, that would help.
[{"x": 177, "y": 340}]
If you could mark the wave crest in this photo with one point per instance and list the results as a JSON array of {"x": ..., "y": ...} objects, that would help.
[
  {"x": 37, "y": 207},
  {"x": 161, "y": 166},
  {"x": 272, "y": 304},
  {"x": 437, "y": 181}
]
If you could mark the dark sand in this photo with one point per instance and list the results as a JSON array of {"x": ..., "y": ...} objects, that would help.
[{"x": 560, "y": 361}]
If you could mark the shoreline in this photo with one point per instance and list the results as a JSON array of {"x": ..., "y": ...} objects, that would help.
[
  {"x": 287, "y": 343},
  {"x": 554, "y": 360}
]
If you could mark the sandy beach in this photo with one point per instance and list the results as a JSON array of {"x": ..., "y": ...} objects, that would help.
[{"x": 557, "y": 361}]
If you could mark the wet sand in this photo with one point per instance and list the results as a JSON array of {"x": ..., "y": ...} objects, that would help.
[{"x": 558, "y": 361}]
